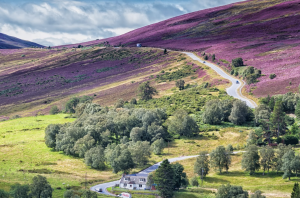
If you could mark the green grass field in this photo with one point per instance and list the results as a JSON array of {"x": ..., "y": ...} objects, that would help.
[{"x": 23, "y": 155}]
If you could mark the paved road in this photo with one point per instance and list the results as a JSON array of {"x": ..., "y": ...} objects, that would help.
[{"x": 235, "y": 89}]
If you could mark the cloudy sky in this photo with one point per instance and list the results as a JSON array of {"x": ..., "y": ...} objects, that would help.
[{"x": 58, "y": 22}]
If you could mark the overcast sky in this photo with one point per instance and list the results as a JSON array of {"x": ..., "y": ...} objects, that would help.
[{"x": 58, "y": 22}]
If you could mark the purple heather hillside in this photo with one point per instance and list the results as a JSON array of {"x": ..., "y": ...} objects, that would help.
[
  {"x": 266, "y": 34},
  {"x": 9, "y": 42}
]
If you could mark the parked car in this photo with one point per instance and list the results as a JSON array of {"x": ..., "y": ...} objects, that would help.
[
  {"x": 124, "y": 195},
  {"x": 98, "y": 189}
]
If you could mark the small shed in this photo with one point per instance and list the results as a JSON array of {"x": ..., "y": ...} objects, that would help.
[{"x": 139, "y": 45}]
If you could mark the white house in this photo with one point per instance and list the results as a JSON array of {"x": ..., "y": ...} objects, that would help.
[{"x": 134, "y": 182}]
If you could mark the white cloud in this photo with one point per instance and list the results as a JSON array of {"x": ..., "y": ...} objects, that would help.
[{"x": 65, "y": 21}]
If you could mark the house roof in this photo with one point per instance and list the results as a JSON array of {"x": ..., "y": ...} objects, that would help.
[{"x": 134, "y": 179}]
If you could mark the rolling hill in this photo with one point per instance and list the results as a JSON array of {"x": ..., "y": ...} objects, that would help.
[
  {"x": 9, "y": 42},
  {"x": 265, "y": 33}
]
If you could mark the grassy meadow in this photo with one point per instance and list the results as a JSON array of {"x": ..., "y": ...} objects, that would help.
[{"x": 23, "y": 155}]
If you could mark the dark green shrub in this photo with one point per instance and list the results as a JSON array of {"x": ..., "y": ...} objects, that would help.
[
  {"x": 237, "y": 62},
  {"x": 290, "y": 139},
  {"x": 272, "y": 76},
  {"x": 54, "y": 110}
]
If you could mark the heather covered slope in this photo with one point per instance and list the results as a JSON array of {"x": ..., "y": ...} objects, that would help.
[
  {"x": 265, "y": 33},
  {"x": 34, "y": 80},
  {"x": 9, "y": 42}
]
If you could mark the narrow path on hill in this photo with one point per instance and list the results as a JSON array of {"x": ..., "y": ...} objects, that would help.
[
  {"x": 142, "y": 173},
  {"x": 235, "y": 89}
]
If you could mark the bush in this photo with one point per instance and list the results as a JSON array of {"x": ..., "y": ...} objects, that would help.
[
  {"x": 54, "y": 110},
  {"x": 272, "y": 76},
  {"x": 15, "y": 117},
  {"x": 237, "y": 62},
  {"x": 290, "y": 139}
]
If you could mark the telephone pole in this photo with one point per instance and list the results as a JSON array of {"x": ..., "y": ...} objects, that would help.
[
  {"x": 85, "y": 180},
  {"x": 202, "y": 177}
]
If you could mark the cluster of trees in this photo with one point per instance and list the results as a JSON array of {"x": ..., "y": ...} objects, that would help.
[
  {"x": 274, "y": 122},
  {"x": 251, "y": 75},
  {"x": 266, "y": 158},
  {"x": 122, "y": 138},
  {"x": 168, "y": 177},
  {"x": 229, "y": 191},
  {"x": 185, "y": 71},
  {"x": 235, "y": 111},
  {"x": 39, "y": 188},
  {"x": 219, "y": 159}
]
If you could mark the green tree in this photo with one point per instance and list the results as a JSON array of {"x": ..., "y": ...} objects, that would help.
[
  {"x": 124, "y": 162},
  {"x": 237, "y": 62},
  {"x": 133, "y": 101},
  {"x": 50, "y": 134},
  {"x": 145, "y": 91},
  {"x": 119, "y": 103},
  {"x": 205, "y": 57},
  {"x": 194, "y": 181},
  {"x": 287, "y": 165},
  {"x": 70, "y": 194},
  {"x": 250, "y": 160},
  {"x": 150, "y": 180},
  {"x": 295, "y": 129},
  {"x": 71, "y": 104},
  {"x": 277, "y": 118},
  {"x": 202, "y": 163},
  {"x": 281, "y": 150},
  {"x": 182, "y": 124},
  {"x": 165, "y": 179},
  {"x": 291, "y": 139},
  {"x": 89, "y": 194},
  {"x": 228, "y": 191},
  {"x": 19, "y": 191},
  {"x": 296, "y": 191},
  {"x": 213, "y": 57},
  {"x": 54, "y": 110},
  {"x": 180, "y": 177},
  {"x": 40, "y": 187},
  {"x": 229, "y": 148},
  {"x": 95, "y": 158},
  {"x": 262, "y": 112},
  {"x": 140, "y": 152},
  {"x": 239, "y": 112},
  {"x": 84, "y": 144},
  {"x": 157, "y": 146},
  {"x": 4, "y": 194},
  {"x": 220, "y": 158},
  {"x": 257, "y": 194},
  {"x": 165, "y": 51},
  {"x": 267, "y": 156},
  {"x": 212, "y": 113},
  {"x": 180, "y": 84},
  {"x": 296, "y": 164}
]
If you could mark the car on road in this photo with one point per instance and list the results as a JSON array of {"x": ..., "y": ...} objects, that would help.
[
  {"x": 98, "y": 189},
  {"x": 237, "y": 82},
  {"x": 124, "y": 195},
  {"x": 203, "y": 61}
]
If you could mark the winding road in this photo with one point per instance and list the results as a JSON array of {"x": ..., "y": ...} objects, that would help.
[{"x": 234, "y": 90}]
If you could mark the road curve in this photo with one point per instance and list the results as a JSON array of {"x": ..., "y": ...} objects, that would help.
[
  {"x": 143, "y": 173},
  {"x": 235, "y": 89}
]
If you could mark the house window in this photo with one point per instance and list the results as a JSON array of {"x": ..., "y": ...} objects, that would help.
[
  {"x": 127, "y": 178},
  {"x": 125, "y": 185},
  {"x": 140, "y": 185},
  {"x": 130, "y": 186},
  {"x": 142, "y": 179}
]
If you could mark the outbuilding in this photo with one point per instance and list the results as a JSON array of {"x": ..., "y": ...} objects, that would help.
[{"x": 134, "y": 182}]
